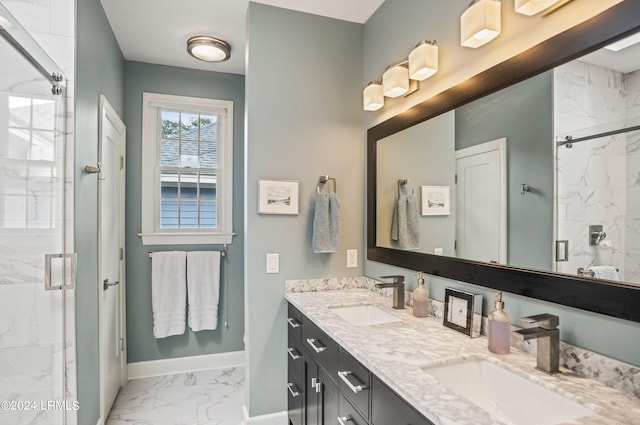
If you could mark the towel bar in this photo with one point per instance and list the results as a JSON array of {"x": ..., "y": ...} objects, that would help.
[
  {"x": 222, "y": 253},
  {"x": 325, "y": 179}
]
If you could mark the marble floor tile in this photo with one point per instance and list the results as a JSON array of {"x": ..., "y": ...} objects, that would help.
[{"x": 199, "y": 398}]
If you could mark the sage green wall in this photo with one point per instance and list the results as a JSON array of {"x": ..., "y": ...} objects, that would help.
[
  {"x": 528, "y": 127},
  {"x": 99, "y": 70},
  {"x": 142, "y": 346},
  {"x": 388, "y": 37},
  {"x": 304, "y": 119}
]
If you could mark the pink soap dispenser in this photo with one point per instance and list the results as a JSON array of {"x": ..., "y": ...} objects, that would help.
[{"x": 499, "y": 328}]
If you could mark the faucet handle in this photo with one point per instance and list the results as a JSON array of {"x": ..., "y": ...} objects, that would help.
[
  {"x": 544, "y": 320},
  {"x": 397, "y": 278}
]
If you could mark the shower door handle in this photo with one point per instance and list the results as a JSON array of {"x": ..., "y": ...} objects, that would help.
[
  {"x": 62, "y": 261},
  {"x": 106, "y": 284}
]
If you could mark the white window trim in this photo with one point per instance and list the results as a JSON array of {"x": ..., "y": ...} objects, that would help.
[{"x": 151, "y": 233}]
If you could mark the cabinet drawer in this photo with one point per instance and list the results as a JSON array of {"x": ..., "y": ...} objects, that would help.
[
  {"x": 294, "y": 353},
  {"x": 355, "y": 382},
  {"x": 294, "y": 322},
  {"x": 388, "y": 408},
  {"x": 347, "y": 414},
  {"x": 295, "y": 395},
  {"x": 320, "y": 347}
]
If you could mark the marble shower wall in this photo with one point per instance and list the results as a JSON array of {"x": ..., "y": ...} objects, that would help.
[
  {"x": 37, "y": 328},
  {"x": 632, "y": 248},
  {"x": 594, "y": 183}
]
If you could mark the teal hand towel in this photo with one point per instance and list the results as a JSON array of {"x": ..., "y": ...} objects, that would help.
[{"x": 326, "y": 223}]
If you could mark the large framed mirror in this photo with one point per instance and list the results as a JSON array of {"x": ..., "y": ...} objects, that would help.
[{"x": 556, "y": 219}]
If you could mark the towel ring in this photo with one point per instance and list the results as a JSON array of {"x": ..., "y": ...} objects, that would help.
[
  {"x": 325, "y": 179},
  {"x": 401, "y": 182}
]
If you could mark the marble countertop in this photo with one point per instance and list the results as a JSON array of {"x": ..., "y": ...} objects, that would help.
[{"x": 397, "y": 351}]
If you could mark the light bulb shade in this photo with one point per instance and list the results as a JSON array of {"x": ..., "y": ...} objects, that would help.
[
  {"x": 423, "y": 61},
  {"x": 372, "y": 96},
  {"x": 209, "y": 49},
  {"x": 395, "y": 81},
  {"x": 532, "y": 7},
  {"x": 480, "y": 23}
]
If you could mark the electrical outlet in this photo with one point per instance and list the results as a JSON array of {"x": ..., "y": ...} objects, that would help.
[
  {"x": 273, "y": 263},
  {"x": 438, "y": 251},
  {"x": 352, "y": 258}
]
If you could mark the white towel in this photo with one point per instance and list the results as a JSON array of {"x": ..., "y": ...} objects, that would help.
[
  {"x": 605, "y": 272},
  {"x": 168, "y": 293},
  {"x": 203, "y": 286}
]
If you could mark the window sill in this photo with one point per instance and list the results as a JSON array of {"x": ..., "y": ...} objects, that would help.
[{"x": 185, "y": 238}]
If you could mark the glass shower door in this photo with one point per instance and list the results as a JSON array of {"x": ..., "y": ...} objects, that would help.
[{"x": 36, "y": 347}]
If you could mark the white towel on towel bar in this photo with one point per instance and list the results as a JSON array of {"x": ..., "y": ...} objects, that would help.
[
  {"x": 605, "y": 272},
  {"x": 168, "y": 293},
  {"x": 203, "y": 288}
]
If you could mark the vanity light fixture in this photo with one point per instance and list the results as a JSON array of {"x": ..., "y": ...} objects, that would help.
[
  {"x": 373, "y": 99},
  {"x": 533, "y": 7},
  {"x": 423, "y": 61},
  {"x": 395, "y": 80},
  {"x": 208, "y": 49},
  {"x": 480, "y": 23}
]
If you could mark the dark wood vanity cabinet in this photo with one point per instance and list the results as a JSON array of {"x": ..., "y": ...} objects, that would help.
[
  {"x": 388, "y": 408},
  {"x": 328, "y": 386}
]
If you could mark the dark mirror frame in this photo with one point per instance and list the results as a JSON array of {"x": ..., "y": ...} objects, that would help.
[{"x": 617, "y": 299}]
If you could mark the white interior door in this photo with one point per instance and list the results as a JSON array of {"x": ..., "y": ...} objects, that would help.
[
  {"x": 481, "y": 200},
  {"x": 111, "y": 240}
]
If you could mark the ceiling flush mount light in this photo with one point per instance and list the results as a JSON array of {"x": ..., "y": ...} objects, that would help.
[
  {"x": 395, "y": 81},
  {"x": 209, "y": 49},
  {"x": 480, "y": 23},
  {"x": 373, "y": 99},
  {"x": 423, "y": 61},
  {"x": 624, "y": 43},
  {"x": 533, "y": 7}
]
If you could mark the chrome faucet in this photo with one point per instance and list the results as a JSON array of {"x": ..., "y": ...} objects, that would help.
[
  {"x": 397, "y": 284},
  {"x": 548, "y": 336}
]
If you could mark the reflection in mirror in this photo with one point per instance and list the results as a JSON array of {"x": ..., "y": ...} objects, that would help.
[{"x": 551, "y": 191}]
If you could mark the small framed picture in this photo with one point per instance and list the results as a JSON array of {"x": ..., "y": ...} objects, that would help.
[
  {"x": 436, "y": 200},
  {"x": 463, "y": 311},
  {"x": 278, "y": 197}
]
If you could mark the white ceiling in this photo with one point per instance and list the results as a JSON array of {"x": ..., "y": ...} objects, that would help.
[{"x": 157, "y": 31}]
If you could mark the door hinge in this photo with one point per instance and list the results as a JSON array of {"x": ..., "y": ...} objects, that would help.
[
  {"x": 455, "y": 244},
  {"x": 121, "y": 162},
  {"x": 122, "y": 253},
  {"x": 456, "y": 179},
  {"x": 121, "y": 344}
]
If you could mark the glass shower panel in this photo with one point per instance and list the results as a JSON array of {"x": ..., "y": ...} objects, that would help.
[{"x": 33, "y": 187}]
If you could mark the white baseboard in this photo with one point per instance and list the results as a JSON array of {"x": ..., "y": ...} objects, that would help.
[
  {"x": 184, "y": 364},
  {"x": 278, "y": 418}
]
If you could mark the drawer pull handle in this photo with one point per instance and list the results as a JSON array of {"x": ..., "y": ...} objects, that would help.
[
  {"x": 293, "y": 322},
  {"x": 344, "y": 419},
  {"x": 293, "y": 353},
  {"x": 355, "y": 388},
  {"x": 312, "y": 343},
  {"x": 293, "y": 390}
]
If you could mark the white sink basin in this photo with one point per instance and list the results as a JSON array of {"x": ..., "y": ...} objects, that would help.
[
  {"x": 364, "y": 315},
  {"x": 506, "y": 396}
]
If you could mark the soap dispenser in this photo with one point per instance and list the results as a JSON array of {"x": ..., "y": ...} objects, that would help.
[
  {"x": 420, "y": 298},
  {"x": 499, "y": 328}
]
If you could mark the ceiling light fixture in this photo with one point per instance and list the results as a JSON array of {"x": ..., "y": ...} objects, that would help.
[
  {"x": 480, "y": 23},
  {"x": 423, "y": 61},
  {"x": 209, "y": 49},
  {"x": 533, "y": 7}
]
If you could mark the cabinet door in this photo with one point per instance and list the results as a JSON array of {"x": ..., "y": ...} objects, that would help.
[
  {"x": 312, "y": 388},
  {"x": 329, "y": 397}
]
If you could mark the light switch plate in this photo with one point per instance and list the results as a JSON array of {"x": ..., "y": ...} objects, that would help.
[
  {"x": 352, "y": 258},
  {"x": 273, "y": 263}
]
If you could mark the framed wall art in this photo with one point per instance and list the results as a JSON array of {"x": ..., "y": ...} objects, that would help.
[
  {"x": 436, "y": 200},
  {"x": 278, "y": 197}
]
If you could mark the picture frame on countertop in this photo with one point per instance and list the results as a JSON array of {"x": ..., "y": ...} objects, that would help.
[{"x": 463, "y": 311}]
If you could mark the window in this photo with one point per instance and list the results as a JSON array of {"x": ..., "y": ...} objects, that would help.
[{"x": 187, "y": 146}]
